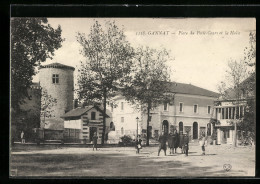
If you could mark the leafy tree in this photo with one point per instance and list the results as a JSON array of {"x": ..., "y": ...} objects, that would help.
[
  {"x": 147, "y": 85},
  {"x": 247, "y": 125},
  {"x": 33, "y": 40},
  {"x": 108, "y": 62},
  {"x": 250, "y": 52}
]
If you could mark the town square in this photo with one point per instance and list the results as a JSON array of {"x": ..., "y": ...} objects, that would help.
[{"x": 128, "y": 97}]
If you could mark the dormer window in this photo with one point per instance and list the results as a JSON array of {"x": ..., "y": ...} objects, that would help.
[{"x": 55, "y": 78}]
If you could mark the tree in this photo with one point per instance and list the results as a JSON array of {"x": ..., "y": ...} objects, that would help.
[
  {"x": 47, "y": 104},
  {"x": 108, "y": 62},
  {"x": 33, "y": 40},
  {"x": 147, "y": 85},
  {"x": 249, "y": 86},
  {"x": 235, "y": 75}
]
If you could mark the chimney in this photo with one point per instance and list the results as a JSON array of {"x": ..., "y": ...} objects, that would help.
[{"x": 75, "y": 103}]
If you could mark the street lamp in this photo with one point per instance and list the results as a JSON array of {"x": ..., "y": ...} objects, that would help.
[{"x": 137, "y": 127}]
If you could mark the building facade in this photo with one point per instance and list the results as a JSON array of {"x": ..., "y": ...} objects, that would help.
[
  {"x": 190, "y": 112},
  {"x": 230, "y": 109},
  {"x": 58, "y": 80},
  {"x": 81, "y": 123},
  {"x": 227, "y": 112}
]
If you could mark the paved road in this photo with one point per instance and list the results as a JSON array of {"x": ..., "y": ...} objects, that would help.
[{"x": 121, "y": 162}]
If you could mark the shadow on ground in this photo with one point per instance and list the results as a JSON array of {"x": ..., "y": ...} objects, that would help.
[{"x": 110, "y": 164}]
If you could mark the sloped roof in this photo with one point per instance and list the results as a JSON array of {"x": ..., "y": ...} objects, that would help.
[
  {"x": 80, "y": 111},
  {"x": 182, "y": 88},
  {"x": 58, "y": 65}
]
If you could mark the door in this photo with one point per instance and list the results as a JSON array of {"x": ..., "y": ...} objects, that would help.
[
  {"x": 181, "y": 127},
  {"x": 165, "y": 127},
  {"x": 195, "y": 130},
  {"x": 92, "y": 130}
]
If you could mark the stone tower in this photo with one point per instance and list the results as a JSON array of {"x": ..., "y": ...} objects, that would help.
[{"x": 58, "y": 80}]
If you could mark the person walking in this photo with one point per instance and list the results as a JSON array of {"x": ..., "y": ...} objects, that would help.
[
  {"x": 202, "y": 143},
  {"x": 175, "y": 140},
  {"x": 186, "y": 144},
  {"x": 170, "y": 142},
  {"x": 162, "y": 143},
  {"x": 138, "y": 144},
  {"x": 95, "y": 138},
  {"x": 181, "y": 141},
  {"x": 22, "y": 138}
]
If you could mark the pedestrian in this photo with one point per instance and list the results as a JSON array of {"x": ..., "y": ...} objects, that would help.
[
  {"x": 162, "y": 143},
  {"x": 175, "y": 141},
  {"x": 95, "y": 138},
  {"x": 170, "y": 142},
  {"x": 186, "y": 144},
  {"x": 181, "y": 141},
  {"x": 138, "y": 144},
  {"x": 202, "y": 143},
  {"x": 22, "y": 138}
]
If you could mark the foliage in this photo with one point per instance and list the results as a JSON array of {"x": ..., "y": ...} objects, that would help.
[
  {"x": 250, "y": 52},
  {"x": 148, "y": 84},
  {"x": 33, "y": 40},
  {"x": 248, "y": 123},
  {"x": 107, "y": 65},
  {"x": 47, "y": 104},
  {"x": 126, "y": 141}
]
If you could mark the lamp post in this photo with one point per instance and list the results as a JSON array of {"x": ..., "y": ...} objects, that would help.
[{"x": 137, "y": 127}]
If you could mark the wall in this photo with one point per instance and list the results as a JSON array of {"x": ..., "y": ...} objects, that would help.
[
  {"x": 129, "y": 113},
  {"x": 158, "y": 114},
  {"x": 63, "y": 91}
]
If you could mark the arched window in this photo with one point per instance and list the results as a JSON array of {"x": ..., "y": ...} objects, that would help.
[
  {"x": 165, "y": 127},
  {"x": 195, "y": 130},
  {"x": 112, "y": 126},
  {"x": 181, "y": 127},
  {"x": 209, "y": 129}
]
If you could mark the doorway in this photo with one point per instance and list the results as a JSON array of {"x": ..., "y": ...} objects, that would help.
[
  {"x": 195, "y": 130},
  {"x": 92, "y": 130},
  {"x": 165, "y": 127},
  {"x": 180, "y": 127}
]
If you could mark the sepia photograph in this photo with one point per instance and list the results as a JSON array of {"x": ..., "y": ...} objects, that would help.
[{"x": 132, "y": 97}]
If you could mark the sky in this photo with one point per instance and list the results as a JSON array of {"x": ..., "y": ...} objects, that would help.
[{"x": 200, "y": 48}]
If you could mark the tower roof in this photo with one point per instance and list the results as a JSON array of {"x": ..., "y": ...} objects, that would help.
[{"x": 58, "y": 65}]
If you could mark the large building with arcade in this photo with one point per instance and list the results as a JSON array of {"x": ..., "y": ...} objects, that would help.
[{"x": 189, "y": 111}]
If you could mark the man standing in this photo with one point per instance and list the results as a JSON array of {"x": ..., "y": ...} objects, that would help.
[
  {"x": 181, "y": 141},
  {"x": 186, "y": 144},
  {"x": 162, "y": 143},
  {"x": 95, "y": 138},
  {"x": 202, "y": 143},
  {"x": 22, "y": 137}
]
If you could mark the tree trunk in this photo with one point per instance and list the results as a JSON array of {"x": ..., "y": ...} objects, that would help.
[
  {"x": 104, "y": 118},
  {"x": 147, "y": 128},
  {"x": 235, "y": 135}
]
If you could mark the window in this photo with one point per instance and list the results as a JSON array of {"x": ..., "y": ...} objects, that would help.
[
  {"x": 195, "y": 108},
  {"x": 181, "y": 108},
  {"x": 165, "y": 106},
  {"x": 209, "y": 109},
  {"x": 122, "y": 131},
  {"x": 122, "y": 119},
  {"x": 93, "y": 115},
  {"x": 122, "y": 106},
  {"x": 55, "y": 78}
]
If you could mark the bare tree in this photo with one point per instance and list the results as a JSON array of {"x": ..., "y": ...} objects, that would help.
[
  {"x": 231, "y": 88},
  {"x": 47, "y": 104}
]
